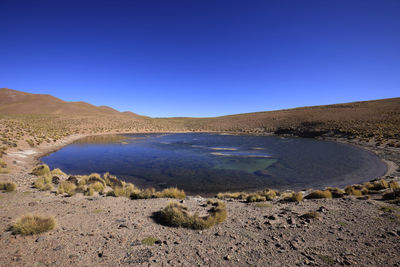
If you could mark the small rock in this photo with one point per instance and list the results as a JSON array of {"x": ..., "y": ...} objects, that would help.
[
  {"x": 291, "y": 221},
  {"x": 58, "y": 248},
  {"x": 55, "y": 180},
  {"x": 40, "y": 238},
  {"x": 392, "y": 233},
  {"x": 228, "y": 257},
  {"x": 322, "y": 209},
  {"x": 122, "y": 226},
  {"x": 273, "y": 217}
]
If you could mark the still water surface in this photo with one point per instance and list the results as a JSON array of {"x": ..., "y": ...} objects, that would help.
[{"x": 209, "y": 163}]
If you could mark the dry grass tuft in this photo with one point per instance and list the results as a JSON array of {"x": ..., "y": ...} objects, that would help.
[
  {"x": 394, "y": 185},
  {"x": 66, "y": 187},
  {"x": 112, "y": 181},
  {"x": 377, "y": 185},
  {"x": 236, "y": 195},
  {"x": 149, "y": 241},
  {"x": 58, "y": 172},
  {"x": 171, "y": 192},
  {"x": 33, "y": 224},
  {"x": 177, "y": 215},
  {"x": 317, "y": 194},
  {"x": 310, "y": 215},
  {"x": 144, "y": 194},
  {"x": 353, "y": 191},
  {"x": 255, "y": 198},
  {"x": 41, "y": 170},
  {"x": 293, "y": 197},
  {"x": 97, "y": 187},
  {"x": 8, "y": 186},
  {"x": 392, "y": 195},
  {"x": 336, "y": 192}
]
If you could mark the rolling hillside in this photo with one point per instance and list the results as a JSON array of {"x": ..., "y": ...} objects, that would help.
[
  {"x": 17, "y": 102},
  {"x": 378, "y": 119}
]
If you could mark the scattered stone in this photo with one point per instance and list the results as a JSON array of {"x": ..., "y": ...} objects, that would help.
[
  {"x": 55, "y": 180},
  {"x": 40, "y": 238}
]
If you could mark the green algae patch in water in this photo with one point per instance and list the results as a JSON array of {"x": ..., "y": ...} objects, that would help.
[{"x": 202, "y": 163}]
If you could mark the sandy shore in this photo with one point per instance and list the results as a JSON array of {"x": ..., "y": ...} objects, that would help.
[{"x": 107, "y": 231}]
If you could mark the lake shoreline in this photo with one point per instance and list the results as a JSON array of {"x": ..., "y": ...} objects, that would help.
[
  {"x": 392, "y": 163},
  {"x": 109, "y": 231}
]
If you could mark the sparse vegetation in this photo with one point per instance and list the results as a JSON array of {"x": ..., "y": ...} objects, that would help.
[
  {"x": 176, "y": 215},
  {"x": 352, "y": 190},
  {"x": 336, "y": 192},
  {"x": 319, "y": 194},
  {"x": 33, "y": 224},
  {"x": 57, "y": 172},
  {"x": 237, "y": 195},
  {"x": 66, "y": 187},
  {"x": 255, "y": 198},
  {"x": 149, "y": 241},
  {"x": 310, "y": 215},
  {"x": 293, "y": 197},
  {"x": 8, "y": 186},
  {"x": 41, "y": 170}
]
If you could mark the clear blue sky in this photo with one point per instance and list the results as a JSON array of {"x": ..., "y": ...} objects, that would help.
[{"x": 202, "y": 58}]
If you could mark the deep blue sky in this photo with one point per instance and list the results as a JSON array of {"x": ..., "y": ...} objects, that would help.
[{"x": 202, "y": 58}]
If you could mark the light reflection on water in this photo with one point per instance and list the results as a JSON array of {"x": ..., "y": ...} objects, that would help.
[{"x": 210, "y": 163}]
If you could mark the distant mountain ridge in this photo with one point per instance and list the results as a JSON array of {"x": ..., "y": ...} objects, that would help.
[
  {"x": 17, "y": 102},
  {"x": 379, "y": 118}
]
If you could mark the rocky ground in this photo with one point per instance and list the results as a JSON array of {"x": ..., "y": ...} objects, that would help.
[{"x": 108, "y": 231}]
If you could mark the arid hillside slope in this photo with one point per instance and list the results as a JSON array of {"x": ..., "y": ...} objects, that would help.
[
  {"x": 378, "y": 118},
  {"x": 17, "y": 102}
]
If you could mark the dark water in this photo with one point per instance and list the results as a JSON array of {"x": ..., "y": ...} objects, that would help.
[{"x": 210, "y": 163}]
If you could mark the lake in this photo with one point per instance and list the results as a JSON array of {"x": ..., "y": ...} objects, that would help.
[{"x": 205, "y": 163}]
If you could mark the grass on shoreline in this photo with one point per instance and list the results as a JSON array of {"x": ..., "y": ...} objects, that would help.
[
  {"x": 8, "y": 186},
  {"x": 33, "y": 224},
  {"x": 176, "y": 215}
]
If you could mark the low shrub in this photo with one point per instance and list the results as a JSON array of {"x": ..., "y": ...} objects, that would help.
[
  {"x": 293, "y": 197},
  {"x": 319, "y": 194},
  {"x": 255, "y": 198},
  {"x": 176, "y": 215},
  {"x": 41, "y": 170},
  {"x": 351, "y": 190},
  {"x": 394, "y": 185},
  {"x": 33, "y": 224},
  {"x": 8, "y": 186},
  {"x": 378, "y": 185},
  {"x": 310, "y": 215},
  {"x": 336, "y": 192},
  {"x": 57, "y": 172},
  {"x": 97, "y": 187},
  {"x": 236, "y": 195},
  {"x": 149, "y": 241},
  {"x": 171, "y": 192},
  {"x": 391, "y": 195},
  {"x": 66, "y": 187},
  {"x": 144, "y": 194},
  {"x": 112, "y": 181}
]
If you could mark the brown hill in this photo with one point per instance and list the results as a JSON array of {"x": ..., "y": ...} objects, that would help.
[
  {"x": 377, "y": 118},
  {"x": 17, "y": 102},
  {"x": 367, "y": 118}
]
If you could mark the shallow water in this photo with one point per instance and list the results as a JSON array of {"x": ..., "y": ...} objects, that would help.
[{"x": 209, "y": 163}]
